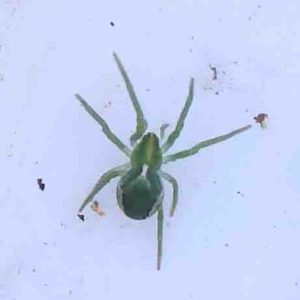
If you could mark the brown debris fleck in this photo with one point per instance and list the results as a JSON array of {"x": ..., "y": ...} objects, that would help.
[
  {"x": 261, "y": 119},
  {"x": 95, "y": 207}
]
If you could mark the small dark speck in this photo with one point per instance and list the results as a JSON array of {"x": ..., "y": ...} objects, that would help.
[
  {"x": 215, "y": 75},
  {"x": 63, "y": 225},
  {"x": 112, "y": 24},
  {"x": 33, "y": 270},
  {"x": 45, "y": 243},
  {"x": 296, "y": 283},
  {"x": 226, "y": 245},
  {"x": 41, "y": 184},
  {"x": 217, "y": 93},
  {"x": 274, "y": 226},
  {"x": 214, "y": 182},
  {"x": 81, "y": 217}
]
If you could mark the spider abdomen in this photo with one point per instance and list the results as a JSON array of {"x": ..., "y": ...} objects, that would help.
[{"x": 140, "y": 197}]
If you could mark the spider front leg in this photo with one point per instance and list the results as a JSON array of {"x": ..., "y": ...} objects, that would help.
[
  {"x": 104, "y": 179},
  {"x": 176, "y": 132},
  {"x": 105, "y": 128},
  {"x": 141, "y": 123}
]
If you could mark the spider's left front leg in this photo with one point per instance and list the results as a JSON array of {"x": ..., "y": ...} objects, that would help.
[
  {"x": 141, "y": 123},
  {"x": 105, "y": 128}
]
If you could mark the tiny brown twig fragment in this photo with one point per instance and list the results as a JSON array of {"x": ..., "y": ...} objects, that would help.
[
  {"x": 261, "y": 119},
  {"x": 95, "y": 207},
  {"x": 41, "y": 184}
]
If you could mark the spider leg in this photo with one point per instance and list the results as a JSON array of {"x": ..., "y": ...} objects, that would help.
[
  {"x": 197, "y": 147},
  {"x": 104, "y": 179},
  {"x": 141, "y": 123},
  {"x": 174, "y": 183},
  {"x": 109, "y": 134},
  {"x": 162, "y": 130},
  {"x": 160, "y": 225},
  {"x": 176, "y": 132}
]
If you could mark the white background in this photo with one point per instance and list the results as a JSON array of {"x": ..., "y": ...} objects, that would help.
[{"x": 236, "y": 231}]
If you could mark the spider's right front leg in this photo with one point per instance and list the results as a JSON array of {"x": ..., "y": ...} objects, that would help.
[{"x": 179, "y": 126}]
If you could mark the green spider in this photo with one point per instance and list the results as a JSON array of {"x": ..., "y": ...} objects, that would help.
[{"x": 140, "y": 189}]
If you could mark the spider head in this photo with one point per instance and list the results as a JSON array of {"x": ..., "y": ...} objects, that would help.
[{"x": 147, "y": 152}]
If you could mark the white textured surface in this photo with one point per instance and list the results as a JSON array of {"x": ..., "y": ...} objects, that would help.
[{"x": 236, "y": 232}]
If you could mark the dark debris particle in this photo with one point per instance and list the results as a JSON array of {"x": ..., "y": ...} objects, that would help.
[
  {"x": 226, "y": 245},
  {"x": 81, "y": 217},
  {"x": 112, "y": 24},
  {"x": 63, "y": 225},
  {"x": 240, "y": 193},
  {"x": 215, "y": 74},
  {"x": 41, "y": 184}
]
